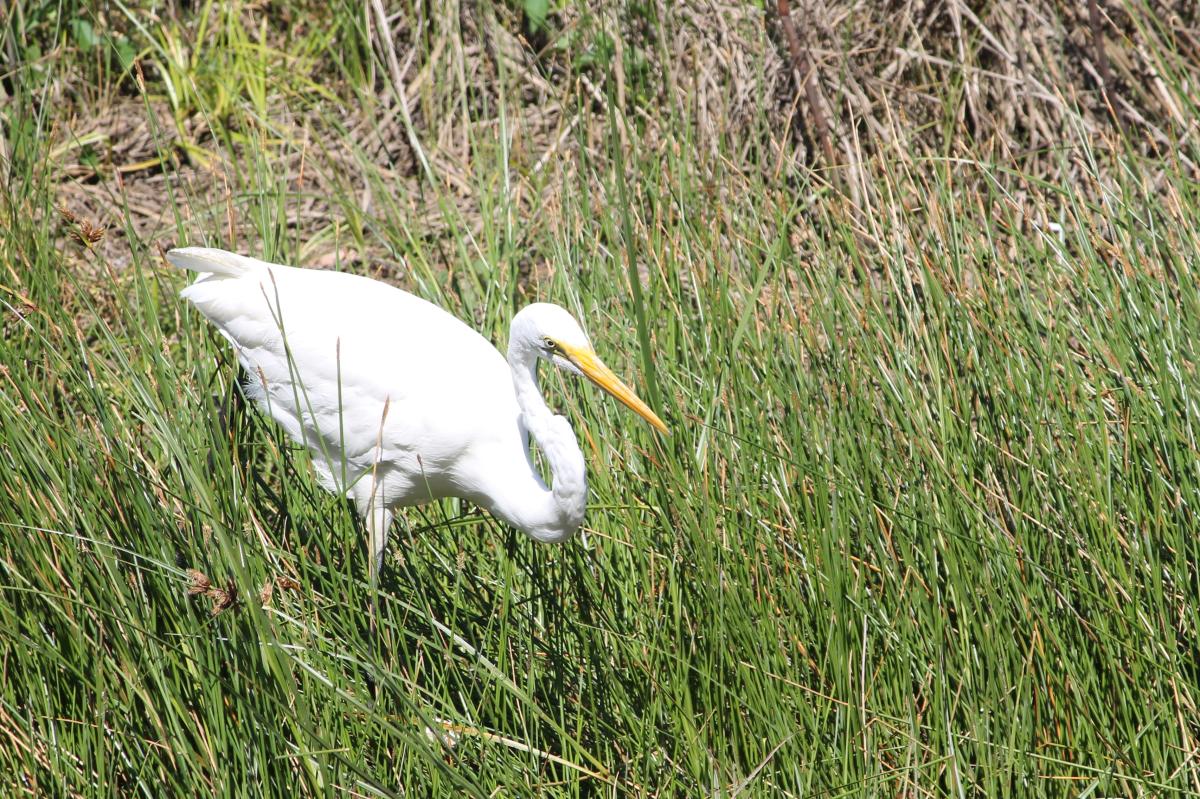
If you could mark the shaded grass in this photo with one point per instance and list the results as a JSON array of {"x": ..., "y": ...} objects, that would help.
[{"x": 925, "y": 525}]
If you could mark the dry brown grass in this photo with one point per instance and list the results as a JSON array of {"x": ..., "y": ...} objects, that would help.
[{"x": 1011, "y": 84}]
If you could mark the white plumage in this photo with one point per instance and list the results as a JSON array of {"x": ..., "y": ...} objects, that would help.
[{"x": 398, "y": 401}]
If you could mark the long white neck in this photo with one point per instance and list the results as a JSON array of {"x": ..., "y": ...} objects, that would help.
[{"x": 546, "y": 514}]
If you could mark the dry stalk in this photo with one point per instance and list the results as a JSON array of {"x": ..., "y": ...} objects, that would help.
[
  {"x": 1106, "y": 80},
  {"x": 804, "y": 74},
  {"x": 389, "y": 49}
]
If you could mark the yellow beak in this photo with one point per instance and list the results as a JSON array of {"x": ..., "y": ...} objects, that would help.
[{"x": 590, "y": 364}]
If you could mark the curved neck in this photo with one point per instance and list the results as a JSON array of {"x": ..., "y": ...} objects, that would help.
[{"x": 546, "y": 514}]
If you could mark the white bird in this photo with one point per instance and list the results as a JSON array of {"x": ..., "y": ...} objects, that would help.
[{"x": 400, "y": 403}]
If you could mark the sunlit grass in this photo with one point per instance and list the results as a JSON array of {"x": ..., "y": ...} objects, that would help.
[{"x": 925, "y": 523}]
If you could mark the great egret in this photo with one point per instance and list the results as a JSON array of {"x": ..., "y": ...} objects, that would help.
[{"x": 399, "y": 402}]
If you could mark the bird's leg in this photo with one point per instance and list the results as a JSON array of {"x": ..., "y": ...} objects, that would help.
[
  {"x": 378, "y": 522},
  {"x": 378, "y": 519}
]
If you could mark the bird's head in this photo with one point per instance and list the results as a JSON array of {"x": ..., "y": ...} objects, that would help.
[{"x": 547, "y": 331}]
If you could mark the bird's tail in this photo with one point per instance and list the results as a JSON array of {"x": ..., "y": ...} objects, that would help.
[{"x": 209, "y": 260}]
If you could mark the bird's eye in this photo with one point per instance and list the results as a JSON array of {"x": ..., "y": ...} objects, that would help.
[{"x": 549, "y": 344}]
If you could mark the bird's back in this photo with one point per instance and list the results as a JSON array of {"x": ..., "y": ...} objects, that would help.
[{"x": 359, "y": 371}]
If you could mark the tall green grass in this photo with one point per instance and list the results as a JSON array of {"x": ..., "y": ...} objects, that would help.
[{"x": 925, "y": 525}]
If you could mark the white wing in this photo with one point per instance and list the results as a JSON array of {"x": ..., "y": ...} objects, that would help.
[{"x": 328, "y": 351}]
